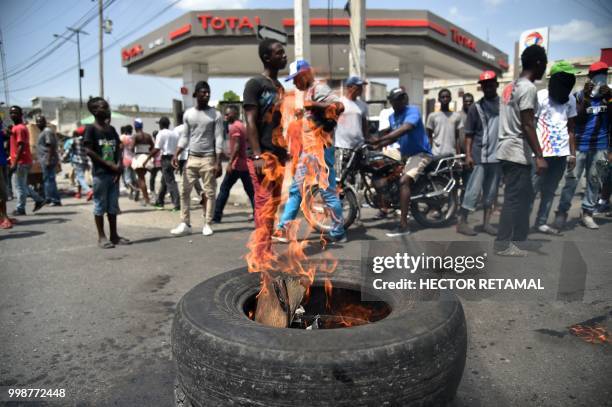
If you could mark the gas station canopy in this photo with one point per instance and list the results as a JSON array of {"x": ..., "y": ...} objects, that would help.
[{"x": 407, "y": 44}]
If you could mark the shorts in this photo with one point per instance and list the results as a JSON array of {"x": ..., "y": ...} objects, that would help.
[
  {"x": 138, "y": 162},
  {"x": 416, "y": 164},
  {"x": 3, "y": 188},
  {"x": 106, "y": 195}
]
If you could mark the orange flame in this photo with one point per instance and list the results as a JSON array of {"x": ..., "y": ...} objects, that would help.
[{"x": 595, "y": 334}]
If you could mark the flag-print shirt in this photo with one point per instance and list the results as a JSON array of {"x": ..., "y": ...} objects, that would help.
[{"x": 551, "y": 118}]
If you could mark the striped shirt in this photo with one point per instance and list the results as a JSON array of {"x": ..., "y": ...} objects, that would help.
[
  {"x": 592, "y": 128},
  {"x": 79, "y": 156}
]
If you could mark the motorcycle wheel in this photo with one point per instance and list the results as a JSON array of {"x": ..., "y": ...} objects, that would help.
[
  {"x": 438, "y": 211},
  {"x": 321, "y": 219}
]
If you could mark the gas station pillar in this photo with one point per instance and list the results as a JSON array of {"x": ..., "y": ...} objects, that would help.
[
  {"x": 411, "y": 78},
  {"x": 192, "y": 74}
]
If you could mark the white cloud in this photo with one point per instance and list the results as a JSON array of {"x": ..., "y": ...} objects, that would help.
[
  {"x": 580, "y": 31},
  {"x": 211, "y": 4},
  {"x": 456, "y": 16}
]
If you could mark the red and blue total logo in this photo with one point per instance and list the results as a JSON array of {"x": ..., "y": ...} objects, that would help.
[{"x": 534, "y": 38}]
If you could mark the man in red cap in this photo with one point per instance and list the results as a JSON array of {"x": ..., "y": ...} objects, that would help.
[
  {"x": 481, "y": 128},
  {"x": 592, "y": 144}
]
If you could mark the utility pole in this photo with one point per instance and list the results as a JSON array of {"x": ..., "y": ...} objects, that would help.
[
  {"x": 4, "y": 74},
  {"x": 357, "y": 56},
  {"x": 101, "y": 47},
  {"x": 301, "y": 38},
  {"x": 78, "y": 32}
]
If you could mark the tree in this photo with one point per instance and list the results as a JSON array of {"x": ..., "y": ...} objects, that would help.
[{"x": 230, "y": 96}]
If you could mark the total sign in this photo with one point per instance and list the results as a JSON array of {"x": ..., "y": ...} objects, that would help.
[
  {"x": 537, "y": 36},
  {"x": 221, "y": 23}
]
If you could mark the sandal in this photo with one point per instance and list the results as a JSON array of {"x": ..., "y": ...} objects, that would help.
[
  {"x": 122, "y": 242},
  {"x": 105, "y": 244}
]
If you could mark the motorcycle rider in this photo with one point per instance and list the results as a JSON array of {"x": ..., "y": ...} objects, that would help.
[{"x": 407, "y": 128}]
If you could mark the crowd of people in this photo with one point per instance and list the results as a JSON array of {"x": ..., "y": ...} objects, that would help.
[{"x": 524, "y": 139}]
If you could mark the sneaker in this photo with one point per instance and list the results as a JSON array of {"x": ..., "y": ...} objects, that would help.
[
  {"x": 465, "y": 229},
  {"x": 512, "y": 251},
  {"x": 181, "y": 230},
  {"x": 547, "y": 230},
  {"x": 602, "y": 207},
  {"x": 280, "y": 235},
  {"x": 560, "y": 219},
  {"x": 158, "y": 206},
  {"x": 6, "y": 224},
  {"x": 587, "y": 221},
  {"x": 18, "y": 212},
  {"x": 207, "y": 230},
  {"x": 489, "y": 230},
  {"x": 89, "y": 195},
  {"x": 337, "y": 239},
  {"x": 398, "y": 231},
  {"x": 38, "y": 205},
  {"x": 55, "y": 204},
  {"x": 174, "y": 210},
  {"x": 380, "y": 215}
]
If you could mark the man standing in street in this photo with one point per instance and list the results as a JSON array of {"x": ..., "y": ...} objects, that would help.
[
  {"x": 103, "y": 146},
  {"x": 468, "y": 101},
  {"x": 237, "y": 168},
  {"x": 407, "y": 127},
  {"x": 555, "y": 125},
  {"x": 592, "y": 144},
  {"x": 352, "y": 129},
  {"x": 481, "y": 130},
  {"x": 321, "y": 108},
  {"x": 443, "y": 127},
  {"x": 46, "y": 152},
  {"x": 21, "y": 162},
  {"x": 165, "y": 144},
  {"x": 517, "y": 142},
  {"x": 203, "y": 136},
  {"x": 5, "y": 221},
  {"x": 263, "y": 99}
]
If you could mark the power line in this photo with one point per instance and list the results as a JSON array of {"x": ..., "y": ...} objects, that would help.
[
  {"x": 109, "y": 46},
  {"x": 54, "y": 48}
]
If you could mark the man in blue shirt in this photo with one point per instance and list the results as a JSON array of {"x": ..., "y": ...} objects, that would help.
[
  {"x": 592, "y": 143},
  {"x": 407, "y": 126}
]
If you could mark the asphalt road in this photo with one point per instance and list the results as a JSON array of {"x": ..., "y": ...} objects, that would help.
[{"x": 97, "y": 322}]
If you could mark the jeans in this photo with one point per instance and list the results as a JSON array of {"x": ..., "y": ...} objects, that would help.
[
  {"x": 483, "y": 178},
  {"x": 80, "y": 169},
  {"x": 20, "y": 177},
  {"x": 106, "y": 195},
  {"x": 518, "y": 195},
  {"x": 585, "y": 162},
  {"x": 292, "y": 206},
  {"x": 547, "y": 184},
  {"x": 228, "y": 182},
  {"x": 129, "y": 177},
  {"x": 168, "y": 183},
  {"x": 50, "y": 185},
  {"x": 153, "y": 177}
]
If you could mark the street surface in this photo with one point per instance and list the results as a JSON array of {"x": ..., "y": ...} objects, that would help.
[{"x": 97, "y": 322}]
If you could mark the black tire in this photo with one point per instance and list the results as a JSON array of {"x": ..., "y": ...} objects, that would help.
[
  {"x": 413, "y": 357},
  {"x": 350, "y": 209},
  {"x": 421, "y": 209}
]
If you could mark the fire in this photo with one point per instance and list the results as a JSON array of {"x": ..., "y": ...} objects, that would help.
[
  {"x": 595, "y": 334},
  {"x": 306, "y": 145}
]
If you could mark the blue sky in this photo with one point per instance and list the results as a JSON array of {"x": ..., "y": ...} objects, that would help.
[{"x": 579, "y": 28}]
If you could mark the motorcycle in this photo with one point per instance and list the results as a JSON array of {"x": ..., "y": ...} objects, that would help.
[{"x": 433, "y": 202}]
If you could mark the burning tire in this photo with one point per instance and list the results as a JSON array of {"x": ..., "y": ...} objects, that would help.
[{"x": 412, "y": 357}]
